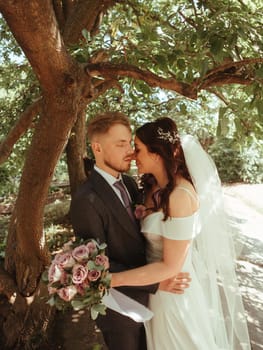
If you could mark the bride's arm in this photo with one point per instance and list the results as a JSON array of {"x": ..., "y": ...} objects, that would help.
[
  {"x": 174, "y": 254},
  {"x": 174, "y": 251}
]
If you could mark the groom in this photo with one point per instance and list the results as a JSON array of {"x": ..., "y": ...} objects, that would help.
[{"x": 100, "y": 209}]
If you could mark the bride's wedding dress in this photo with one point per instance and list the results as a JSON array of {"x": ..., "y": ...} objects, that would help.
[
  {"x": 180, "y": 321},
  {"x": 210, "y": 314}
]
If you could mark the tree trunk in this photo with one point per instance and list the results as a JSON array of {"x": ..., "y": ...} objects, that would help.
[
  {"x": 26, "y": 254},
  {"x": 66, "y": 90},
  {"x": 76, "y": 152}
]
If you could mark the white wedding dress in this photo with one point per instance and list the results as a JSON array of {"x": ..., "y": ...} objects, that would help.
[
  {"x": 180, "y": 322},
  {"x": 188, "y": 321},
  {"x": 210, "y": 314}
]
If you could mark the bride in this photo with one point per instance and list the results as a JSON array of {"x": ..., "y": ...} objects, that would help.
[{"x": 185, "y": 229}]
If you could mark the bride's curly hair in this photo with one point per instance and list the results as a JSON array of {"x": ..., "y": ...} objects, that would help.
[{"x": 161, "y": 137}]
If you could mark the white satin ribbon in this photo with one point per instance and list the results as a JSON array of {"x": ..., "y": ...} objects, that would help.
[{"x": 126, "y": 306}]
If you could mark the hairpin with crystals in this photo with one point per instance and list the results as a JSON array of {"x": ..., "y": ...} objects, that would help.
[{"x": 171, "y": 137}]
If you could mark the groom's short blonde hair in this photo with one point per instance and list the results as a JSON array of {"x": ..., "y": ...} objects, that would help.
[{"x": 101, "y": 123}]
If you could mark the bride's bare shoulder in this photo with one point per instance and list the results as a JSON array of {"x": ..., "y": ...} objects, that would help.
[{"x": 183, "y": 200}]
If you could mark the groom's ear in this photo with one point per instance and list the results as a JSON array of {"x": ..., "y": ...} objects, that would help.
[{"x": 96, "y": 147}]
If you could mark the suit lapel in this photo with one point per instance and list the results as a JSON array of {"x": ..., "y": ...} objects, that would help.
[{"x": 111, "y": 200}]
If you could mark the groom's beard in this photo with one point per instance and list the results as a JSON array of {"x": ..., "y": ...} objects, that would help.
[{"x": 121, "y": 168}]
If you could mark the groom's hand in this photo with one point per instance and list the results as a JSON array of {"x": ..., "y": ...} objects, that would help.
[{"x": 177, "y": 284}]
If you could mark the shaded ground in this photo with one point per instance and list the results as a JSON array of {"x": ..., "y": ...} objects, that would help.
[{"x": 244, "y": 205}]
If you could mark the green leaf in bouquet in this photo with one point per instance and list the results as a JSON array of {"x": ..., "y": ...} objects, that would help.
[
  {"x": 60, "y": 304},
  {"x": 77, "y": 304},
  {"x": 96, "y": 310},
  {"x": 94, "y": 314},
  {"x": 51, "y": 301},
  {"x": 99, "y": 267},
  {"x": 102, "y": 246},
  {"x": 91, "y": 265},
  {"x": 87, "y": 300},
  {"x": 44, "y": 276},
  {"x": 100, "y": 308},
  {"x": 106, "y": 280}
]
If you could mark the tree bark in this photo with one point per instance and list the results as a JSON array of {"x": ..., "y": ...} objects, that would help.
[
  {"x": 76, "y": 152},
  {"x": 63, "y": 85}
]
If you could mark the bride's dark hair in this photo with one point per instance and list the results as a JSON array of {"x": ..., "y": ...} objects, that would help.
[{"x": 161, "y": 137}]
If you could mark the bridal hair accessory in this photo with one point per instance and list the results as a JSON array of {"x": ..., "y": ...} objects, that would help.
[{"x": 171, "y": 137}]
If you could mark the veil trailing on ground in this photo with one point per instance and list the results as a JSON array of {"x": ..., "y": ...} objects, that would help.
[{"x": 216, "y": 268}]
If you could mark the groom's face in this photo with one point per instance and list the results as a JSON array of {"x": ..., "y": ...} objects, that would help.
[{"x": 114, "y": 151}]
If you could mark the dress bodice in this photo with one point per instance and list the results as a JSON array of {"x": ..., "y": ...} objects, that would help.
[{"x": 154, "y": 229}]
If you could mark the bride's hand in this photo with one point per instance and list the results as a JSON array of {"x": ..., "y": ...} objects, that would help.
[{"x": 177, "y": 284}]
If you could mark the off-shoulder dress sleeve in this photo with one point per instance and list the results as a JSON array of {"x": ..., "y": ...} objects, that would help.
[
  {"x": 180, "y": 228},
  {"x": 173, "y": 228}
]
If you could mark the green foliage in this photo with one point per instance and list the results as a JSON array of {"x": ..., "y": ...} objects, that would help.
[
  {"x": 8, "y": 183},
  {"x": 18, "y": 88},
  {"x": 236, "y": 163},
  {"x": 185, "y": 40},
  {"x": 180, "y": 39}
]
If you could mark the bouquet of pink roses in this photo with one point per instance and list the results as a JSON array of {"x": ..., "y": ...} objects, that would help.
[{"x": 79, "y": 277}]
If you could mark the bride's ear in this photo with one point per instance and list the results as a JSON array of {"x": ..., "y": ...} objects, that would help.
[{"x": 156, "y": 157}]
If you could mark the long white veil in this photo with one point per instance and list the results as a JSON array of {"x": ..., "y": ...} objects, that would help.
[{"x": 216, "y": 268}]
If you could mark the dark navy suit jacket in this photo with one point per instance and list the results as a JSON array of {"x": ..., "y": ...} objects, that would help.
[{"x": 97, "y": 212}]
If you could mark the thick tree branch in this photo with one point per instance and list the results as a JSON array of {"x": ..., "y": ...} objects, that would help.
[
  {"x": 87, "y": 14},
  {"x": 45, "y": 50},
  {"x": 58, "y": 8},
  {"x": 231, "y": 65},
  {"x": 19, "y": 129},
  {"x": 229, "y": 73},
  {"x": 224, "y": 79},
  {"x": 112, "y": 71}
]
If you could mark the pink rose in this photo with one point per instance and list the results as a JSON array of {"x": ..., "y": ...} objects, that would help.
[
  {"x": 81, "y": 287},
  {"x": 102, "y": 260},
  {"x": 67, "y": 293},
  {"x": 65, "y": 278},
  {"x": 94, "y": 275},
  {"x": 81, "y": 253},
  {"x": 51, "y": 290},
  {"x": 64, "y": 260},
  {"x": 54, "y": 273},
  {"x": 140, "y": 211},
  {"x": 91, "y": 247},
  {"x": 79, "y": 274}
]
